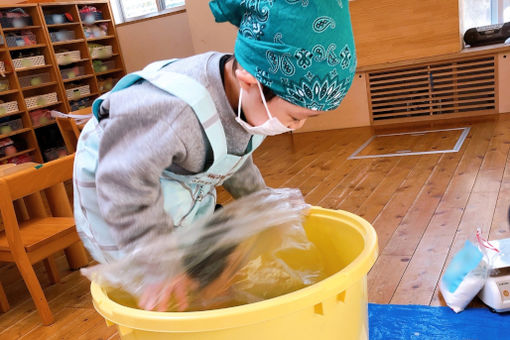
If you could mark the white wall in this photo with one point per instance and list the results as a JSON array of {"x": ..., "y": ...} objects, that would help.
[
  {"x": 207, "y": 35},
  {"x": 158, "y": 38}
]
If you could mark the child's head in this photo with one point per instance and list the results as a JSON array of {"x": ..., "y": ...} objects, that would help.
[{"x": 302, "y": 50}]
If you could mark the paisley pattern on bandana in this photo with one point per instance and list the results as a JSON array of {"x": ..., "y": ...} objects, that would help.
[
  {"x": 318, "y": 94},
  {"x": 304, "y": 58},
  {"x": 255, "y": 18},
  {"x": 346, "y": 57},
  {"x": 321, "y": 24},
  {"x": 304, "y": 3}
]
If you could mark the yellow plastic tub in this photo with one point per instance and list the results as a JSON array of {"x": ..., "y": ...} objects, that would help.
[{"x": 335, "y": 308}]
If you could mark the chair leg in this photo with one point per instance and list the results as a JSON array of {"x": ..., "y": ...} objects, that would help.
[
  {"x": 76, "y": 256},
  {"x": 34, "y": 287},
  {"x": 51, "y": 269},
  {"x": 4, "y": 303}
]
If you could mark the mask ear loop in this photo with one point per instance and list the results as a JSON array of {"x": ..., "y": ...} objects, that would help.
[
  {"x": 264, "y": 100},
  {"x": 239, "y": 105}
]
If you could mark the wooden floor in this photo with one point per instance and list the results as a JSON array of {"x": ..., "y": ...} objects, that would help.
[{"x": 423, "y": 208}]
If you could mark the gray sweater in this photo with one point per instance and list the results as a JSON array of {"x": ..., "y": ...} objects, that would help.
[{"x": 148, "y": 131}]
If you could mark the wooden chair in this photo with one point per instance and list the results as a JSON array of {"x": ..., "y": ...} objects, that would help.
[
  {"x": 70, "y": 133},
  {"x": 43, "y": 234},
  {"x": 70, "y": 130}
]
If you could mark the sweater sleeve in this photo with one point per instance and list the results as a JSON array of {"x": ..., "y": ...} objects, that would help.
[{"x": 245, "y": 181}]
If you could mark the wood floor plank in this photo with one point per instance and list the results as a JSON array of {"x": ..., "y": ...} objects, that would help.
[
  {"x": 409, "y": 232},
  {"x": 381, "y": 195},
  {"x": 385, "y": 276},
  {"x": 395, "y": 210},
  {"x": 310, "y": 176},
  {"x": 371, "y": 180},
  {"x": 99, "y": 330},
  {"x": 500, "y": 227}
]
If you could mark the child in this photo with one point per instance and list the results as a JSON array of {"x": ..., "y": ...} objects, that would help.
[{"x": 164, "y": 137}]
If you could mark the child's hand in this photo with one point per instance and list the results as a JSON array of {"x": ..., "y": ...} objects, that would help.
[{"x": 158, "y": 296}]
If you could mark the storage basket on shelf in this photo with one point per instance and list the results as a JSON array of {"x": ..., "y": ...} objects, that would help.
[
  {"x": 8, "y": 107},
  {"x": 1, "y": 40},
  {"x": 7, "y": 148},
  {"x": 68, "y": 57},
  {"x": 24, "y": 38},
  {"x": 103, "y": 66},
  {"x": 16, "y": 17},
  {"x": 106, "y": 84},
  {"x": 25, "y": 158},
  {"x": 62, "y": 35},
  {"x": 2, "y": 66},
  {"x": 9, "y": 126},
  {"x": 335, "y": 308},
  {"x": 57, "y": 18},
  {"x": 100, "y": 51},
  {"x": 26, "y": 62},
  {"x": 74, "y": 91},
  {"x": 4, "y": 84},
  {"x": 72, "y": 72},
  {"x": 81, "y": 104},
  {"x": 34, "y": 79},
  {"x": 41, "y": 100},
  {"x": 54, "y": 153},
  {"x": 95, "y": 31},
  {"x": 89, "y": 15},
  {"x": 40, "y": 117}
]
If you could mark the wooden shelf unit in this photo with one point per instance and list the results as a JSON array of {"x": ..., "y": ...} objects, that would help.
[{"x": 33, "y": 137}]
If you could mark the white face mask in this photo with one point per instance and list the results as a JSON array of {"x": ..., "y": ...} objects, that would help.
[{"x": 271, "y": 127}]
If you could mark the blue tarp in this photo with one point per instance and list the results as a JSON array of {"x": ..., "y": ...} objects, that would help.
[{"x": 397, "y": 322}]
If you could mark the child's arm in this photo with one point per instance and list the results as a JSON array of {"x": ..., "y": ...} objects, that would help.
[
  {"x": 245, "y": 181},
  {"x": 140, "y": 139}
]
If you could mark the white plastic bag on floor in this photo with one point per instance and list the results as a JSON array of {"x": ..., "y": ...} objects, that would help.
[{"x": 466, "y": 274}]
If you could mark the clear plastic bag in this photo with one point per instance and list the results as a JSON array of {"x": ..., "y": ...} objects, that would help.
[{"x": 253, "y": 249}]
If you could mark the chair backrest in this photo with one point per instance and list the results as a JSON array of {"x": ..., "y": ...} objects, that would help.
[
  {"x": 38, "y": 178},
  {"x": 28, "y": 184},
  {"x": 70, "y": 132}
]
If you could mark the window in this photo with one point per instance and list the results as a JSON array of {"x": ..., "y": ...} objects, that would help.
[
  {"x": 128, "y": 10},
  {"x": 476, "y": 13}
]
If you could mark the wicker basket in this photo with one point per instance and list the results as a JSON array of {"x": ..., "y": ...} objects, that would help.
[
  {"x": 101, "y": 52},
  {"x": 72, "y": 72},
  {"x": 66, "y": 58},
  {"x": 62, "y": 35},
  {"x": 9, "y": 107},
  {"x": 27, "y": 62},
  {"x": 77, "y": 92},
  {"x": 41, "y": 100}
]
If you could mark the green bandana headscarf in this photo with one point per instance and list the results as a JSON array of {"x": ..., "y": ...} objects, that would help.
[{"x": 303, "y": 50}]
